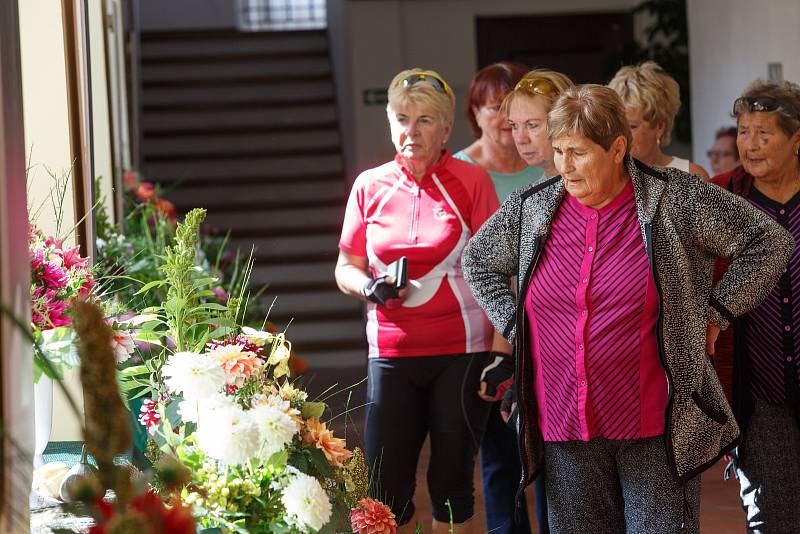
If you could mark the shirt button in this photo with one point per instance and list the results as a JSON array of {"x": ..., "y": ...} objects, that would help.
[
  {"x": 787, "y": 327},
  {"x": 785, "y": 300},
  {"x": 580, "y": 347},
  {"x": 590, "y": 249},
  {"x": 782, "y": 212},
  {"x": 788, "y": 358},
  {"x": 583, "y": 313},
  {"x": 594, "y": 216},
  {"x": 582, "y": 383},
  {"x": 585, "y": 280}
]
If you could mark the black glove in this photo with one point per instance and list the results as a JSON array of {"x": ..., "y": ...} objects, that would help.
[
  {"x": 508, "y": 405},
  {"x": 377, "y": 290},
  {"x": 499, "y": 374}
]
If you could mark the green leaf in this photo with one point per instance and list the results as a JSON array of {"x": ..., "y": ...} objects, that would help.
[
  {"x": 150, "y": 285},
  {"x": 213, "y": 306},
  {"x": 319, "y": 461},
  {"x": 135, "y": 370},
  {"x": 148, "y": 336},
  {"x": 221, "y": 332},
  {"x": 279, "y": 459},
  {"x": 313, "y": 409}
]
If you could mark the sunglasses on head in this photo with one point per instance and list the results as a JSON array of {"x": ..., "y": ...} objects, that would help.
[
  {"x": 766, "y": 104},
  {"x": 435, "y": 81},
  {"x": 538, "y": 86}
]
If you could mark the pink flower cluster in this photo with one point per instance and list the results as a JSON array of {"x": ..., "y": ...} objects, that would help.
[
  {"x": 58, "y": 275},
  {"x": 149, "y": 416}
]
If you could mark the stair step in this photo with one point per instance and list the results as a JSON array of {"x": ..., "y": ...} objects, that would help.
[
  {"x": 270, "y": 247},
  {"x": 315, "y": 335},
  {"x": 258, "y": 206},
  {"x": 203, "y": 56},
  {"x": 233, "y": 130},
  {"x": 336, "y": 359},
  {"x": 209, "y": 80},
  {"x": 250, "y": 104},
  {"x": 186, "y": 73},
  {"x": 155, "y": 44},
  {"x": 276, "y": 218},
  {"x": 299, "y": 273},
  {"x": 227, "y": 156},
  {"x": 209, "y": 194},
  {"x": 238, "y": 118},
  {"x": 318, "y": 89},
  {"x": 301, "y": 317},
  {"x": 267, "y": 141},
  {"x": 320, "y": 301},
  {"x": 221, "y": 173},
  {"x": 267, "y": 232}
]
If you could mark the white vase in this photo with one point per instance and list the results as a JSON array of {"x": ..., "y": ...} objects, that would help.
[{"x": 43, "y": 416}]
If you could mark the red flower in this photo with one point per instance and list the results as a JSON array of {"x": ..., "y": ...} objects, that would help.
[
  {"x": 372, "y": 517},
  {"x": 145, "y": 191},
  {"x": 130, "y": 179},
  {"x": 165, "y": 208},
  {"x": 72, "y": 258}
]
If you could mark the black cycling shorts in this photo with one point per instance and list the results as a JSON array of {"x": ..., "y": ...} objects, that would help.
[{"x": 410, "y": 398}]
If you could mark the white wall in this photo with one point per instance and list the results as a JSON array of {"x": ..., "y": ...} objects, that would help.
[
  {"x": 383, "y": 38},
  {"x": 46, "y": 121},
  {"x": 730, "y": 44}
]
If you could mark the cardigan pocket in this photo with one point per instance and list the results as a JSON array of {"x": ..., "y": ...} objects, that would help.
[{"x": 715, "y": 414}]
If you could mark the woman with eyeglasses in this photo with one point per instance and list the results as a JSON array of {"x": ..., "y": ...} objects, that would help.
[
  {"x": 614, "y": 315},
  {"x": 652, "y": 100},
  {"x": 764, "y": 346},
  {"x": 724, "y": 155},
  {"x": 495, "y": 151},
  {"x": 428, "y": 342}
]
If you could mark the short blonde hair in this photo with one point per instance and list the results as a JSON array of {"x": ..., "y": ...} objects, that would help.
[
  {"x": 648, "y": 88},
  {"x": 422, "y": 94},
  {"x": 547, "y": 84},
  {"x": 593, "y": 111}
]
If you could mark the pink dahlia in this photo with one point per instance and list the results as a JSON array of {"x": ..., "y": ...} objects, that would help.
[
  {"x": 372, "y": 517},
  {"x": 238, "y": 363}
]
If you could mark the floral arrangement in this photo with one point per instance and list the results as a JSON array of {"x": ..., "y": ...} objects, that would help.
[
  {"x": 219, "y": 399},
  {"x": 59, "y": 277}
]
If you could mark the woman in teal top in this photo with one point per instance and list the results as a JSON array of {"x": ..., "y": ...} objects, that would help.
[
  {"x": 495, "y": 151},
  {"x": 494, "y": 148}
]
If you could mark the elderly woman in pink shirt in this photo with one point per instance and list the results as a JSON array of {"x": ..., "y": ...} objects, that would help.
[{"x": 616, "y": 312}]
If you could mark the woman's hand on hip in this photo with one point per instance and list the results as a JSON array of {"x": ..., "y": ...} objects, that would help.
[{"x": 712, "y": 333}]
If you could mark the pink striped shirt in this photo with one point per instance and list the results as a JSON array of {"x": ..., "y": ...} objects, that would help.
[{"x": 592, "y": 306}]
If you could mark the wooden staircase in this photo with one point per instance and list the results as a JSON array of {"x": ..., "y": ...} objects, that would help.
[{"x": 245, "y": 125}]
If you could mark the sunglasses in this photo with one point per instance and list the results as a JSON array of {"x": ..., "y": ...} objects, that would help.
[
  {"x": 720, "y": 154},
  {"x": 435, "y": 81},
  {"x": 538, "y": 86},
  {"x": 766, "y": 104}
]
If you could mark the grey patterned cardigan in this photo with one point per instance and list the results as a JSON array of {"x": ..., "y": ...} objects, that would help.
[{"x": 685, "y": 224}]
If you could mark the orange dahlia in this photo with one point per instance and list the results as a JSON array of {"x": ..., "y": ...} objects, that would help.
[
  {"x": 372, "y": 517},
  {"x": 333, "y": 448}
]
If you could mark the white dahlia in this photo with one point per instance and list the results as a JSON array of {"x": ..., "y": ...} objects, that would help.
[
  {"x": 307, "y": 505},
  {"x": 228, "y": 434},
  {"x": 276, "y": 428},
  {"x": 193, "y": 375}
]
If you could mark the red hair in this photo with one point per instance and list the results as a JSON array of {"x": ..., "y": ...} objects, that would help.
[{"x": 495, "y": 80}]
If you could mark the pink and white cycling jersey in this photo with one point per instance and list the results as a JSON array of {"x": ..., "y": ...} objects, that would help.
[{"x": 390, "y": 215}]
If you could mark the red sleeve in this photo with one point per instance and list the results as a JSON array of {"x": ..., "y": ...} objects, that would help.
[
  {"x": 354, "y": 229},
  {"x": 484, "y": 199}
]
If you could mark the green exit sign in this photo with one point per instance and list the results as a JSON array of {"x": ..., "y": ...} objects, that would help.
[{"x": 375, "y": 97}]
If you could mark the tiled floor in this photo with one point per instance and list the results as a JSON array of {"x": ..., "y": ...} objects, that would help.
[{"x": 720, "y": 509}]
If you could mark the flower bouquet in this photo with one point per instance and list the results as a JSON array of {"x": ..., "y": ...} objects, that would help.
[
  {"x": 59, "y": 276},
  {"x": 220, "y": 400}
]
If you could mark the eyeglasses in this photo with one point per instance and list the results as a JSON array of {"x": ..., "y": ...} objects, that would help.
[
  {"x": 766, "y": 104},
  {"x": 435, "y": 81},
  {"x": 720, "y": 154},
  {"x": 539, "y": 86}
]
